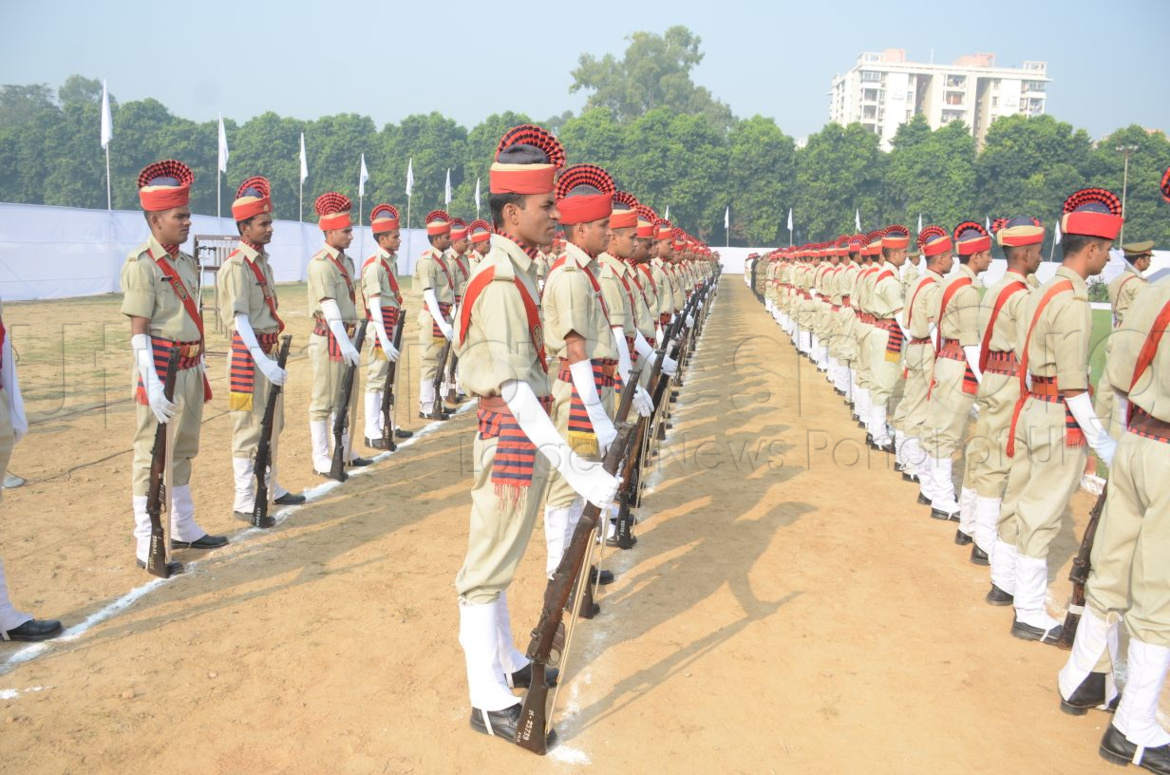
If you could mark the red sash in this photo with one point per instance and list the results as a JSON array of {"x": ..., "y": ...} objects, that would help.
[
  {"x": 1009, "y": 290},
  {"x": 948, "y": 294},
  {"x": 266, "y": 289},
  {"x": 345, "y": 275},
  {"x": 188, "y": 304},
  {"x": 592, "y": 281},
  {"x": 1056, "y": 289},
  {"x": 914, "y": 298},
  {"x": 649, "y": 276},
  {"x": 531, "y": 311},
  {"x": 442, "y": 265},
  {"x": 390, "y": 274},
  {"x": 1145, "y": 355}
]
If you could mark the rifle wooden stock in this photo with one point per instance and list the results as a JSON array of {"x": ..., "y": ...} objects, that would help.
[
  {"x": 1079, "y": 574},
  {"x": 263, "y": 459},
  {"x": 437, "y": 406},
  {"x": 453, "y": 363},
  {"x": 341, "y": 413},
  {"x": 388, "y": 389},
  {"x": 156, "y": 491},
  {"x": 532, "y": 732}
]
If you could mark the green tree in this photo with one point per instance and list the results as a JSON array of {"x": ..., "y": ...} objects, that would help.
[
  {"x": 1145, "y": 209},
  {"x": 840, "y": 171},
  {"x": 932, "y": 174},
  {"x": 761, "y": 170},
  {"x": 654, "y": 72}
]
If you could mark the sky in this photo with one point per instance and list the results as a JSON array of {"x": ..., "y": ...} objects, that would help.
[{"x": 1108, "y": 60}]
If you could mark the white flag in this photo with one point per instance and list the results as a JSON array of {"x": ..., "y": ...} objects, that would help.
[
  {"x": 789, "y": 219},
  {"x": 410, "y": 176},
  {"x": 987, "y": 222},
  {"x": 223, "y": 146},
  {"x": 477, "y": 197},
  {"x": 920, "y": 223},
  {"x": 857, "y": 219},
  {"x": 667, "y": 216},
  {"x": 1056, "y": 236},
  {"x": 727, "y": 218},
  {"x": 107, "y": 120},
  {"x": 363, "y": 176},
  {"x": 304, "y": 160},
  {"x": 447, "y": 190}
]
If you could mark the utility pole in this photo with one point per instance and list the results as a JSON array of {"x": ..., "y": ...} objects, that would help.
[{"x": 1127, "y": 150}]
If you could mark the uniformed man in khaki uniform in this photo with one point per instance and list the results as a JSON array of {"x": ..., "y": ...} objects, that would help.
[
  {"x": 987, "y": 463},
  {"x": 871, "y": 263},
  {"x": 15, "y": 625},
  {"x": 383, "y": 302},
  {"x": 502, "y": 363},
  {"x": 956, "y": 377},
  {"x": 247, "y": 292},
  {"x": 919, "y": 322},
  {"x": 480, "y": 235},
  {"x": 434, "y": 278},
  {"x": 886, "y": 302},
  {"x": 1122, "y": 291},
  {"x": 158, "y": 286},
  {"x": 580, "y": 340},
  {"x": 1051, "y": 431},
  {"x": 659, "y": 255},
  {"x": 1130, "y": 577},
  {"x": 333, "y": 305}
]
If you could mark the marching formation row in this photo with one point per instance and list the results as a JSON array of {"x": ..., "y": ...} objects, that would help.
[
  {"x": 916, "y": 355},
  {"x": 545, "y": 329}
]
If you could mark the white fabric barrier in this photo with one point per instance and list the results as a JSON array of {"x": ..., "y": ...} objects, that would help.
[{"x": 59, "y": 252}]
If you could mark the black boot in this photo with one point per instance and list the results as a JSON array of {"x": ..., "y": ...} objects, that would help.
[
  {"x": 1090, "y": 694},
  {"x": 996, "y": 596},
  {"x": 978, "y": 556},
  {"x": 522, "y": 678},
  {"x": 962, "y": 539},
  {"x": 1117, "y": 750}
]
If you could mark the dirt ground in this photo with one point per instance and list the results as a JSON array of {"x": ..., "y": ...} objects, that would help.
[{"x": 788, "y": 608}]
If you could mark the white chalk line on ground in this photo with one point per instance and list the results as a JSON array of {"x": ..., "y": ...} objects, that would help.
[{"x": 34, "y": 650}]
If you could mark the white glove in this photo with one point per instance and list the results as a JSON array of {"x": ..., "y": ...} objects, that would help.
[
  {"x": 144, "y": 358},
  {"x": 582, "y": 372},
  {"x": 268, "y": 366},
  {"x": 432, "y": 302},
  {"x": 333, "y": 318},
  {"x": 375, "y": 307},
  {"x": 658, "y": 334},
  {"x": 643, "y": 402},
  {"x": 690, "y": 322},
  {"x": 12, "y": 392},
  {"x": 932, "y": 336},
  {"x": 623, "y": 348},
  {"x": 1102, "y": 443},
  {"x": 588, "y": 478},
  {"x": 972, "y": 353}
]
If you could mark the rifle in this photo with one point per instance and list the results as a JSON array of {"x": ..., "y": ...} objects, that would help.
[
  {"x": 263, "y": 460},
  {"x": 388, "y": 388},
  {"x": 532, "y": 732},
  {"x": 1079, "y": 574},
  {"x": 630, "y": 492},
  {"x": 437, "y": 407},
  {"x": 156, "y": 490},
  {"x": 341, "y": 414},
  {"x": 661, "y": 402}
]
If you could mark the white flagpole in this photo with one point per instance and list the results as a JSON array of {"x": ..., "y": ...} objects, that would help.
[
  {"x": 447, "y": 191},
  {"x": 107, "y": 135},
  {"x": 789, "y": 227},
  {"x": 304, "y": 174},
  {"x": 409, "y": 196},
  {"x": 477, "y": 199},
  {"x": 727, "y": 225}
]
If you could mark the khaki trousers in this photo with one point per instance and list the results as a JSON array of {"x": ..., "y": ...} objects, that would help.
[
  {"x": 1131, "y": 553},
  {"x": 986, "y": 454},
  {"x": 883, "y": 374},
  {"x": 948, "y": 409},
  {"x": 187, "y": 421},
  {"x": 246, "y": 424},
  {"x": 559, "y": 492},
  {"x": 1045, "y": 473},
  {"x": 327, "y": 377}
]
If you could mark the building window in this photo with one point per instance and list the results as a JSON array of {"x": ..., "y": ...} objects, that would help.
[
  {"x": 869, "y": 112},
  {"x": 994, "y": 101},
  {"x": 1034, "y": 86},
  {"x": 870, "y": 76},
  {"x": 869, "y": 95},
  {"x": 956, "y": 82},
  {"x": 954, "y": 98}
]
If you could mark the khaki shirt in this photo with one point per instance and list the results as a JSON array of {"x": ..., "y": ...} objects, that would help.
[
  {"x": 498, "y": 345},
  {"x": 148, "y": 294},
  {"x": 886, "y": 300},
  {"x": 865, "y": 288},
  {"x": 1123, "y": 290},
  {"x": 922, "y": 305},
  {"x": 460, "y": 274},
  {"x": 643, "y": 295},
  {"x": 910, "y": 276},
  {"x": 1152, "y": 391},
  {"x": 570, "y": 304},
  {"x": 665, "y": 287},
  {"x": 1007, "y": 324},
  {"x": 376, "y": 279},
  {"x": 540, "y": 266},
  {"x": 621, "y": 311},
  {"x": 960, "y": 320},
  {"x": 240, "y": 291},
  {"x": 432, "y": 272},
  {"x": 1060, "y": 339},
  {"x": 653, "y": 302},
  {"x": 678, "y": 288},
  {"x": 326, "y": 282}
]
